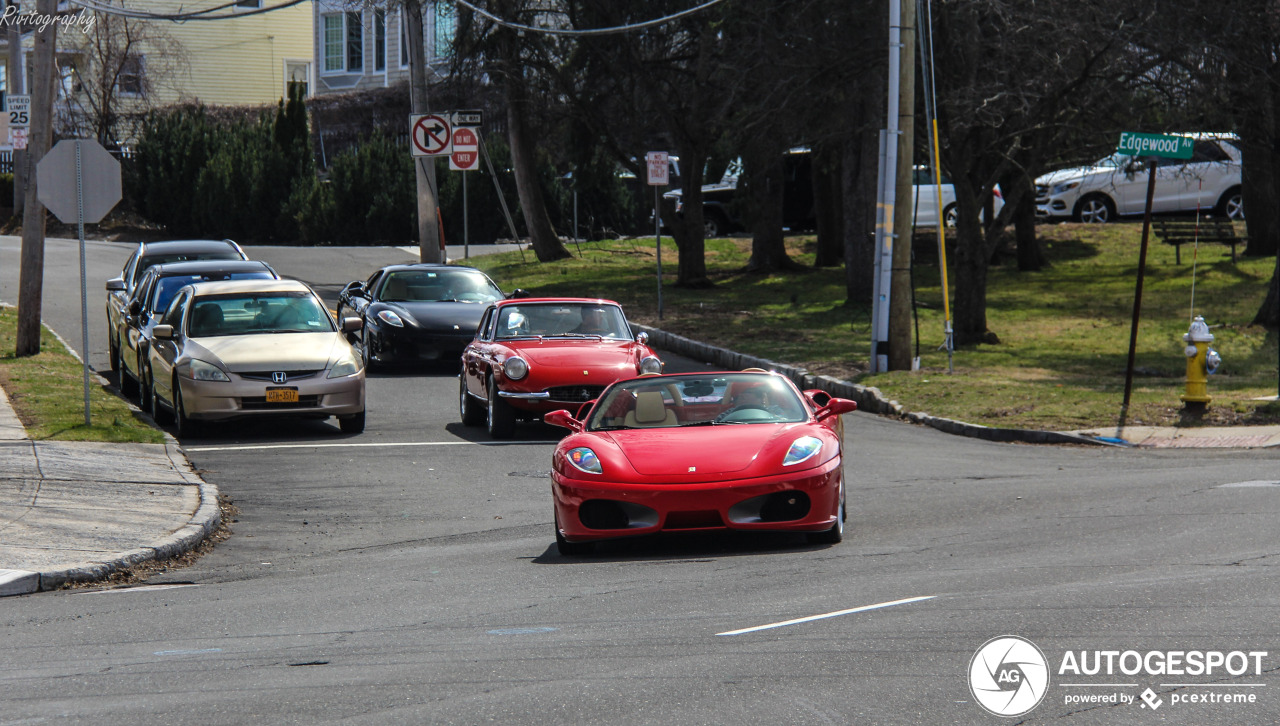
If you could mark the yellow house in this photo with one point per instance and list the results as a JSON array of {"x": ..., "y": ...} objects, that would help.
[{"x": 215, "y": 52}]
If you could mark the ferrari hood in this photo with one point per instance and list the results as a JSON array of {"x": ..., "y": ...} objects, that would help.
[
  {"x": 580, "y": 353},
  {"x": 278, "y": 351},
  {"x": 703, "y": 450},
  {"x": 447, "y": 317}
]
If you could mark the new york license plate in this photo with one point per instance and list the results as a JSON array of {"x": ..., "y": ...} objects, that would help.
[{"x": 282, "y": 395}]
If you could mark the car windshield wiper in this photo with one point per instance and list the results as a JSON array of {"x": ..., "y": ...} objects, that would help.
[{"x": 612, "y": 428}]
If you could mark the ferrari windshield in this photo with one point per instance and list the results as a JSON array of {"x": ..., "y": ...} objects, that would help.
[
  {"x": 563, "y": 319},
  {"x": 678, "y": 401},
  {"x": 438, "y": 285},
  {"x": 251, "y": 313}
]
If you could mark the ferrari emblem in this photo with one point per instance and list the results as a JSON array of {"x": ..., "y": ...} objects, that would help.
[{"x": 693, "y": 469}]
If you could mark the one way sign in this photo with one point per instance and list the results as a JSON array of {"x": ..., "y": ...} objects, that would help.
[{"x": 430, "y": 135}]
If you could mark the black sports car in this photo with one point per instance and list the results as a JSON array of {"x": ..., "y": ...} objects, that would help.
[{"x": 419, "y": 312}]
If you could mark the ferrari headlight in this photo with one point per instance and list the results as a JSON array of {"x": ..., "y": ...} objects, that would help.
[
  {"x": 347, "y": 365},
  {"x": 1065, "y": 187},
  {"x": 585, "y": 459},
  {"x": 802, "y": 449},
  {"x": 390, "y": 318},
  {"x": 202, "y": 371},
  {"x": 650, "y": 364},
  {"x": 515, "y": 368}
]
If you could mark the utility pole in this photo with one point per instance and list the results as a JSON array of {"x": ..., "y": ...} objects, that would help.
[
  {"x": 900, "y": 286},
  {"x": 15, "y": 85},
  {"x": 424, "y": 166},
  {"x": 31, "y": 270}
]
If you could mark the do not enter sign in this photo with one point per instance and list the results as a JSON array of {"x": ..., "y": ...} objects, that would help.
[{"x": 466, "y": 150}]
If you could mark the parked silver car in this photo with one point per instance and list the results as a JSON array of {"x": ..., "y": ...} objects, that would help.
[{"x": 252, "y": 349}]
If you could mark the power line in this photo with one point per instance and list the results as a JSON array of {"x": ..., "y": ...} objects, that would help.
[{"x": 594, "y": 31}]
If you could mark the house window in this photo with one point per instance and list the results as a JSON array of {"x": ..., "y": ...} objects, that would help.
[
  {"x": 333, "y": 47},
  {"x": 404, "y": 40},
  {"x": 355, "y": 42},
  {"x": 446, "y": 28},
  {"x": 379, "y": 39},
  {"x": 131, "y": 79},
  {"x": 298, "y": 79}
]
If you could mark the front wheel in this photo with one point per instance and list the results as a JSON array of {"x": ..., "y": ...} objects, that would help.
[
  {"x": 836, "y": 534},
  {"x": 571, "y": 549},
  {"x": 1231, "y": 205},
  {"x": 501, "y": 418},
  {"x": 353, "y": 424},
  {"x": 714, "y": 225},
  {"x": 1095, "y": 209},
  {"x": 184, "y": 426},
  {"x": 468, "y": 408},
  {"x": 950, "y": 215},
  {"x": 158, "y": 413}
]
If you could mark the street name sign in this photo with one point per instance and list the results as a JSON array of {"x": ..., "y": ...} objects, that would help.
[{"x": 1169, "y": 147}]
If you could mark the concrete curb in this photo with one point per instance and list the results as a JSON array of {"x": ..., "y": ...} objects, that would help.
[
  {"x": 203, "y": 522},
  {"x": 869, "y": 399}
]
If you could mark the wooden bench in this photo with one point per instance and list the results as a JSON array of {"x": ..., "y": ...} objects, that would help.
[{"x": 1178, "y": 232}]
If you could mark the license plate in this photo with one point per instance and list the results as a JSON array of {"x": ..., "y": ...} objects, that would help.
[{"x": 282, "y": 395}]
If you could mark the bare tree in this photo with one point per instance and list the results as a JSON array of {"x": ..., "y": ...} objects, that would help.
[{"x": 122, "y": 63}]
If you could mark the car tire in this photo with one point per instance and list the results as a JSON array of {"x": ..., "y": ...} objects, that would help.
[
  {"x": 1231, "y": 205},
  {"x": 714, "y": 225},
  {"x": 158, "y": 412},
  {"x": 468, "y": 407},
  {"x": 184, "y": 426},
  {"x": 144, "y": 389},
  {"x": 949, "y": 216},
  {"x": 1095, "y": 209},
  {"x": 571, "y": 549},
  {"x": 836, "y": 534},
  {"x": 113, "y": 351},
  {"x": 129, "y": 386},
  {"x": 501, "y": 418},
  {"x": 353, "y": 424},
  {"x": 364, "y": 351}
]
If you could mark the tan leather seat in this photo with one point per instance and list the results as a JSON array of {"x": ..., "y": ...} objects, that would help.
[{"x": 650, "y": 412}]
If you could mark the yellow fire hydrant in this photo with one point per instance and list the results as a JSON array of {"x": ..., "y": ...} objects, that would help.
[{"x": 1201, "y": 361}]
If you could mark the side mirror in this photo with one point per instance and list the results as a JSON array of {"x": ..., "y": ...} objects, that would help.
[
  {"x": 818, "y": 396},
  {"x": 835, "y": 407},
  {"x": 135, "y": 307},
  {"x": 162, "y": 332},
  {"x": 519, "y": 292},
  {"x": 562, "y": 419},
  {"x": 642, "y": 338},
  {"x": 115, "y": 284},
  {"x": 351, "y": 325}
]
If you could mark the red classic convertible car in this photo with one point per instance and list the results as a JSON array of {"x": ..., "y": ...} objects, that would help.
[
  {"x": 535, "y": 355},
  {"x": 700, "y": 451}
]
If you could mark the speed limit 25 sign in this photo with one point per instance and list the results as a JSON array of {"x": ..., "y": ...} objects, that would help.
[{"x": 19, "y": 110}]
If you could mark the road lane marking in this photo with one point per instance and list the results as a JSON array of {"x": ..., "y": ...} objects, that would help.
[
  {"x": 838, "y": 613},
  {"x": 368, "y": 445}
]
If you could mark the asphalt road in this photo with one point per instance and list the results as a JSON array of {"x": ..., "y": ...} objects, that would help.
[{"x": 409, "y": 575}]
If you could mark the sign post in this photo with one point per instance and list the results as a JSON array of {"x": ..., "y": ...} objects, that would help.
[
  {"x": 60, "y": 185},
  {"x": 1155, "y": 147},
  {"x": 465, "y": 157},
  {"x": 659, "y": 176}
]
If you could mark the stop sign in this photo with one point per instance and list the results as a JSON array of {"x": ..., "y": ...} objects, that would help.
[{"x": 99, "y": 180}]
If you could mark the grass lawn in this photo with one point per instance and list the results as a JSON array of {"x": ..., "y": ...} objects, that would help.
[
  {"x": 47, "y": 391},
  {"x": 1064, "y": 331}
]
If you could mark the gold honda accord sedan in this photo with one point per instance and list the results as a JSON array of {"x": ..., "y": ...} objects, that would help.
[{"x": 246, "y": 349}]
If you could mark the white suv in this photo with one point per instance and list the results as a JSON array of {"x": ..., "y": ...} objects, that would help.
[{"x": 1117, "y": 185}]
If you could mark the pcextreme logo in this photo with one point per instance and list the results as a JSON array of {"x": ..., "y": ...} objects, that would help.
[{"x": 1009, "y": 676}]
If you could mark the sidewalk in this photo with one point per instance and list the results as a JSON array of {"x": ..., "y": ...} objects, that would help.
[{"x": 78, "y": 511}]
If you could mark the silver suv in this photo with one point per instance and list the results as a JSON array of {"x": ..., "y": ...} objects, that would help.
[{"x": 1117, "y": 185}]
